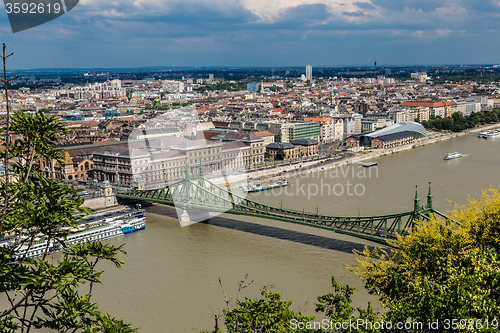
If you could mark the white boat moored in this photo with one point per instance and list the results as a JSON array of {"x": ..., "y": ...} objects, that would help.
[{"x": 452, "y": 156}]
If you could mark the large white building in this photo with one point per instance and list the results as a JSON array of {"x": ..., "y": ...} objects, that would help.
[
  {"x": 466, "y": 106},
  {"x": 369, "y": 125},
  {"x": 351, "y": 123},
  {"x": 309, "y": 73},
  {"x": 173, "y": 86},
  {"x": 108, "y": 89},
  {"x": 330, "y": 129},
  {"x": 153, "y": 165}
]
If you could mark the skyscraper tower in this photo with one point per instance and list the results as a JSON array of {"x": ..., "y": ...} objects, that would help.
[{"x": 309, "y": 73}]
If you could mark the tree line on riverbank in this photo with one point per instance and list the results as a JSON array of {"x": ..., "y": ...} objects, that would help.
[{"x": 457, "y": 122}]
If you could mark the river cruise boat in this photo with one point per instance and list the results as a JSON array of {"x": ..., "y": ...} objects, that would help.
[
  {"x": 90, "y": 229},
  {"x": 258, "y": 187},
  {"x": 489, "y": 134},
  {"x": 452, "y": 156},
  {"x": 369, "y": 164}
]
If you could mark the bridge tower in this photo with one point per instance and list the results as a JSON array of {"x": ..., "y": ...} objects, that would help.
[
  {"x": 416, "y": 201},
  {"x": 429, "y": 198}
]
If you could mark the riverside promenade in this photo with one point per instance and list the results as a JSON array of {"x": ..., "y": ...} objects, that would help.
[{"x": 300, "y": 168}]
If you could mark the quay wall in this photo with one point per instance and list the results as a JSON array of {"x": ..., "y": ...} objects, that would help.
[{"x": 100, "y": 202}]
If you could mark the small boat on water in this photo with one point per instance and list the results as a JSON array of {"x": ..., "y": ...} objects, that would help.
[
  {"x": 370, "y": 164},
  {"x": 258, "y": 187},
  {"x": 489, "y": 134},
  {"x": 452, "y": 156}
]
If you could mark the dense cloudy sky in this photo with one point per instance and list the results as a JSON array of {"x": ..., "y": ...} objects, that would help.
[{"x": 136, "y": 33}]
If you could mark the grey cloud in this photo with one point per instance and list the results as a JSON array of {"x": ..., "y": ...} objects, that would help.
[
  {"x": 307, "y": 13},
  {"x": 364, "y": 5},
  {"x": 354, "y": 14},
  {"x": 424, "y": 5}
]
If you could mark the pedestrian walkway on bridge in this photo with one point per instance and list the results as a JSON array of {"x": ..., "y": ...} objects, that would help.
[{"x": 198, "y": 196}]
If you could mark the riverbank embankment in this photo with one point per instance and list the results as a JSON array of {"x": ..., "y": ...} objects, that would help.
[{"x": 301, "y": 168}]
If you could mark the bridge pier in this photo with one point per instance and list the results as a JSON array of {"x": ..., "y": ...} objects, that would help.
[{"x": 187, "y": 218}]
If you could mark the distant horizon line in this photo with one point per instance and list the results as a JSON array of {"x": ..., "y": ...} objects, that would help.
[{"x": 144, "y": 68}]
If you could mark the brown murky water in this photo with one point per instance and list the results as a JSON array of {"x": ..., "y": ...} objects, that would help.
[{"x": 170, "y": 280}]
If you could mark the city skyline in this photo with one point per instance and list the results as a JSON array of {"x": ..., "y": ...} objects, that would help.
[{"x": 255, "y": 33}]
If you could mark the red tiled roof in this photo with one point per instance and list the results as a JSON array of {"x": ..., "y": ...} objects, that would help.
[
  {"x": 319, "y": 120},
  {"x": 428, "y": 104},
  {"x": 209, "y": 135},
  {"x": 263, "y": 133}
]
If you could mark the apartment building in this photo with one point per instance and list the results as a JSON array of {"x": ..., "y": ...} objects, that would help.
[
  {"x": 466, "y": 106},
  {"x": 109, "y": 89},
  {"x": 172, "y": 86},
  {"x": 368, "y": 125},
  {"x": 330, "y": 129},
  {"x": 266, "y": 135},
  {"x": 438, "y": 109},
  {"x": 283, "y": 131},
  {"x": 71, "y": 168},
  {"x": 351, "y": 123},
  {"x": 256, "y": 144},
  {"x": 399, "y": 115}
]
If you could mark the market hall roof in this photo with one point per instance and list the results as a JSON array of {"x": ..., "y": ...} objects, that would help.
[{"x": 399, "y": 127}]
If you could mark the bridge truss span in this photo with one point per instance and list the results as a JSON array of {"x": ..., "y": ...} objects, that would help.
[{"x": 196, "y": 193}]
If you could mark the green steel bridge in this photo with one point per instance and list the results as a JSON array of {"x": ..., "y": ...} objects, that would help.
[{"x": 196, "y": 193}]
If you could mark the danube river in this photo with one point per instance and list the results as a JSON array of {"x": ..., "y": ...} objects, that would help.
[{"x": 170, "y": 280}]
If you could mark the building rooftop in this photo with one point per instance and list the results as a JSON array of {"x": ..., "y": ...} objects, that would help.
[
  {"x": 123, "y": 151},
  {"x": 432, "y": 104},
  {"x": 233, "y": 145},
  {"x": 165, "y": 131},
  {"x": 280, "y": 145},
  {"x": 261, "y": 134},
  {"x": 394, "y": 136},
  {"x": 243, "y": 137},
  {"x": 304, "y": 142},
  {"x": 399, "y": 127}
]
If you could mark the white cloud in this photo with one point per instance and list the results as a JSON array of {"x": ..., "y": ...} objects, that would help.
[
  {"x": 139, "y": 8},
  {"x": 272, "y": 10},
  {"x": 451, "y": 12}
]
